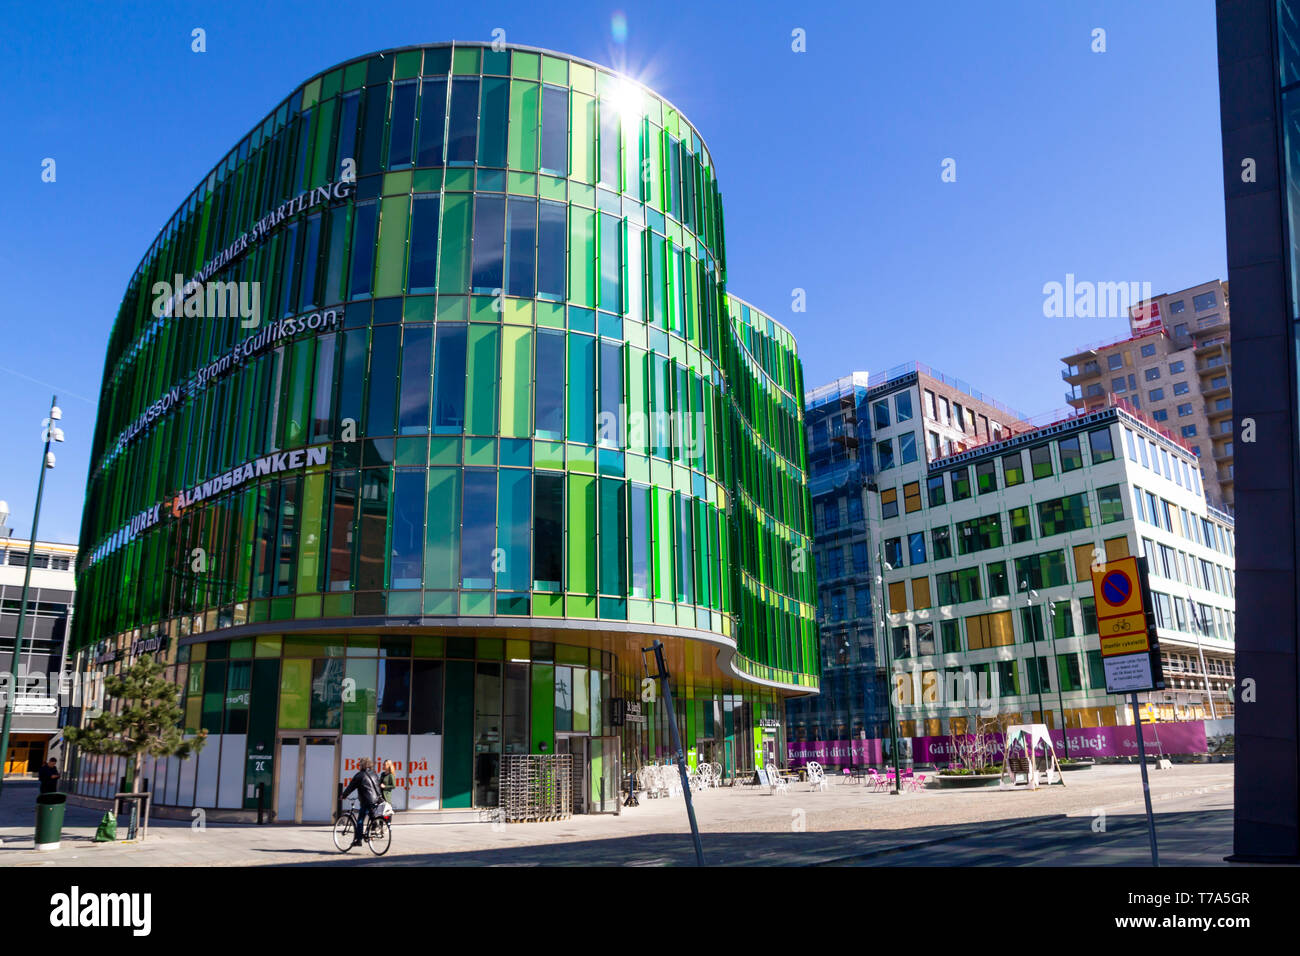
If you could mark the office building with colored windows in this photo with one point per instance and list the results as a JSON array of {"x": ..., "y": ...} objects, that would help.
[
  {"x": 1176, "y": 368},
  {"x": 426, "y": 412},
  {"x": 987, "y": 556},
  {"x": 35, "y": 681},
  {"x": 858, "y": 428}
]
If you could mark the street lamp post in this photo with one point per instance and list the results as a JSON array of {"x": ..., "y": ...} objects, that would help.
[
  {"x": 889, "y": 669},
  {"x": 1060, "y": 691},
  {"x": 52, "y": 434},
  {"x": 1030, "y": 594}
]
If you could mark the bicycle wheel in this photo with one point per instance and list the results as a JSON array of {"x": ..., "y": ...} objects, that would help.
[
  {"x": 345, "y": 828},
  {"x": 379, "y": 836}
]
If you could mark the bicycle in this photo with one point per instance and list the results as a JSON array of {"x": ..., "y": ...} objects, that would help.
[{"x": 378, "y": 835}]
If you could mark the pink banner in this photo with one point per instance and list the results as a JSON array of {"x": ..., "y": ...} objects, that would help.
[{"x": 1182, "y": 737}]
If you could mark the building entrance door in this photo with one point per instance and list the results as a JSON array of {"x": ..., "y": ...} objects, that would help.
[
  {"x": 576, "y": 747},
  {"x": 306, "y": 776}
]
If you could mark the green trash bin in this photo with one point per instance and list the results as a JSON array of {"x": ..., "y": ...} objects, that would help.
[{"x": 49, "y": 819}]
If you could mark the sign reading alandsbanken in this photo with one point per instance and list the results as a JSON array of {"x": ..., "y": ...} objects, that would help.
[{"x": 272, "y": 464}]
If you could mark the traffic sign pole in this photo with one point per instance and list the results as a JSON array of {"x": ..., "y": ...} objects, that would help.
[{"x": 1146, "y": 784}]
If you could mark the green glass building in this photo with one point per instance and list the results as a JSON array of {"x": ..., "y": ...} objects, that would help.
[{"x": 423, "y": 415}]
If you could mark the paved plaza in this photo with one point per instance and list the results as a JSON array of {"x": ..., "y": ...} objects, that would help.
[{"x": 1096, "y": 819}]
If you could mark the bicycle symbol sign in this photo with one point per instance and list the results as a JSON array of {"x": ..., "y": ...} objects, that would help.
[{"x": 1116, "y": 588}]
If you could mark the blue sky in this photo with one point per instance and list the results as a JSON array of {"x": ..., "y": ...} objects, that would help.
[{"x": 1104, "y": 165}]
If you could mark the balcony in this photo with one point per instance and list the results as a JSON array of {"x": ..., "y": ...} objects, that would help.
[
  {"x": 1223, "y": 456},
  {"x": 1211, "y": 392},
  {"x": 1214, "y": 414},
  {"x": 1075, "y": 374},
  {"x": 1213, "y": 347}
]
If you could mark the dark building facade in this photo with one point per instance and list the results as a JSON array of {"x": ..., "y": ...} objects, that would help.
[{"x": 1259, "y": 89}]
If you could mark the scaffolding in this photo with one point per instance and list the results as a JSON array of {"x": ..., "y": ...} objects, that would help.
[{"x": 536, "y": 788}]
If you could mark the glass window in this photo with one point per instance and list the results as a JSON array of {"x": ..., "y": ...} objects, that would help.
[
  {"x": 885, "y": 454},
  {"x": 1013, "y": 469},
  {"x": 1148, "y": 351},
  {"x": 555, "y": 130},
  {"x": 916, "y": 547},
  {"x": 1111, "y": 502},
  {"x": 401, "y": 125},
  {"x": 478, "y": 537},
  {"x": 880, "y": 414},
  {"x": 433, "y": 120},
  {"x": 888, "y": 503},
  {"x": 1021, "y": 527},
  {"x": 449, "y": 379},
  {"x": 521, "y": 242},
  {"x": 613, "y": 538},
  {"x": 894, "y": 552},
  {"x": 1177, "y": 368},
  {"x": 903, "y": 406},
  {"x": 1177, "y": 306},
  {"x": 1040, "y": 461},
  {"x": 548, "y": 533},
  {"x": 1071, "y": 454},
  {"x": 363, "y": 248},
  {"x": 413, "y": 403},
  {"x": 986, "y": 476},
  {"x": 999, "y": 585},
  {"x": 582, "y": 389},
  {"x": 1115, "y": 361},
  {"x": 1160, "y": 414},
  {"x": 552, "y": 237},
  {"x": 462, "y": 130},
  {"x": 941, "y": 542},
  {"x": 1181, "y": 388},
  {"x": 1070, "y": 513},
  {"x": 1156, "y": 395},
  {"x": 935, "y": 487},
  {"x": 423, "y": 273},
  {"x": 907, "y": 447},
  {"x": 1101, "y": 445},
  {"x": 950, "y": 635},
  {"x": 1206, "y": 300},
  {"x": 494, "y": 114},
  {"x": 960, "y": 483},
  {"x": 489, "y": 243},
  {"x": 548, "y": 394},
  {"x": 1152, "y": 374}
]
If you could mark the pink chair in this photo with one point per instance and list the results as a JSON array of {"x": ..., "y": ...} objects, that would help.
[{"x": 918, "y": 782}]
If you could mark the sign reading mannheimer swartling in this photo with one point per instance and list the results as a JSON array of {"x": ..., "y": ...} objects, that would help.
[
  {"x": 260, "y": 230},
  {"x": 266, "y": 465},
  {"x": 234, "y": 357}
]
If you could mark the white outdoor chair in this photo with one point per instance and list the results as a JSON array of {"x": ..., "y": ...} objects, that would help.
[
  {"x": 817, "y": 776},
  {"x": 779, "y": 783}
]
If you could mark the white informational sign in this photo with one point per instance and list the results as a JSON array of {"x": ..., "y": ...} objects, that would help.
[
  {"x": 352, "y": 748},
  {"x": 393, "y": 747},
  {"x": 1128, "y": 673},
  {"x": 424, "y": 772}
]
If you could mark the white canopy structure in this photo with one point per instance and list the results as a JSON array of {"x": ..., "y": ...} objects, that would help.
[{"x": 1026, "y": 738}]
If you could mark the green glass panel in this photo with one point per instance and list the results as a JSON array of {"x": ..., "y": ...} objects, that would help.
[
  {"x": 483, "y": 379},
  {"x": 390, "y": 278},
  {"x": 582, "y": 125},
  {"x": 525, "y": 115},
  {"x": 516, "y": 394},
  {"x": 295, "y": 693},
  {"x": 582, "y": 257},
  {"x": 311, "y": 542},
  {"x": 581, "y": 575},
  {"x": 359, "y": 711},
  {"x": 465, "y": 59},
  {"x": 453, "y": 249},
  {"x": 442, "y": 534},
  {"x": 543, "y": 709}
]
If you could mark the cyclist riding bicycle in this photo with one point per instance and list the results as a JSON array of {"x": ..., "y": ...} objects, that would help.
[{"x": 366, "y": 785}]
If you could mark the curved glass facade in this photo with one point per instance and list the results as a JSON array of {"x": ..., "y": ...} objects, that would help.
[{"x": 441, "y": 356}]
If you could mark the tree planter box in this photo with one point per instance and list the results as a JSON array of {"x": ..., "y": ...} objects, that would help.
[
  {"x": 1077, "y": 765},
  {"x": 966, "y": 781}
]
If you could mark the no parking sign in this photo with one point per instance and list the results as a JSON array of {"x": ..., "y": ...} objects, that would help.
[{"x": 1130, "y": 654}]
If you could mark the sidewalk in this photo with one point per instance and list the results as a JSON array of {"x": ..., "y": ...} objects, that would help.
[{"x": 846, "y": 825}]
